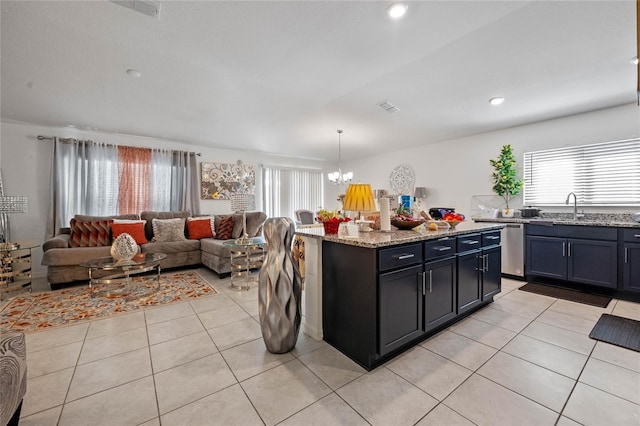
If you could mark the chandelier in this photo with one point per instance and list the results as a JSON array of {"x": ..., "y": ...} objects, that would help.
[{"x": 338, "y": 177}]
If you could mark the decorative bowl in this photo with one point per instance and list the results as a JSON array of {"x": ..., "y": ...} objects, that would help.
[
  {"x": 406, "y": 224},
  {"x": 453, "y": 223}
]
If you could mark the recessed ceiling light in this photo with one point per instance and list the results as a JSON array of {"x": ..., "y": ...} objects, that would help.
[
  {"x": 634, "y": 60},
  {"x": 134, "y": 73},
  {"x": 496, "y": 101},
  {"x": 397, "y": 10}
]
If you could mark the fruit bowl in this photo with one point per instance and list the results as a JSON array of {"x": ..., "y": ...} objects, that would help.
[
  {"x": 453, "y": 223},
  {"x": 406, "y": 223}
]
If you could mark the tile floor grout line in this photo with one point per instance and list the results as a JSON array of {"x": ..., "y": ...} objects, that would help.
[
  {"x": 73, "y": 375},
  {"x": 153, "y": 375}
]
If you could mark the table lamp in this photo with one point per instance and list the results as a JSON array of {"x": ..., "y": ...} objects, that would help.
[
  {"x": 241, "y": 202},
  {"x": 359, "y": 198},
  {"x": 10, "y": 204}
]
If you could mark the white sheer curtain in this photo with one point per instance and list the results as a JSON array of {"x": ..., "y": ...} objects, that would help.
[
  {"x": 286, "y": 190},
  {"x": 161, "y": 180},
  {"x": 185, "y": 194},
  {"x": 84, "y": 180}
]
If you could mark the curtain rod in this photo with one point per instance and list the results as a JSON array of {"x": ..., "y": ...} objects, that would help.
[{"x": 50, "y": 138}]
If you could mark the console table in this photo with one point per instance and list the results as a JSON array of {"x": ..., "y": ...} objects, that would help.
[
  {"x": 245, "y": 256},
  {"x": 15, "y": 267}
]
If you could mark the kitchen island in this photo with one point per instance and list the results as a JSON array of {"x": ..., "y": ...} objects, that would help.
[{"x": 377, "y": 294}]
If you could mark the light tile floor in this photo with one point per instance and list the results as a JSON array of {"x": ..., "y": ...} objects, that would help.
[{"x": 525, "y": 359}]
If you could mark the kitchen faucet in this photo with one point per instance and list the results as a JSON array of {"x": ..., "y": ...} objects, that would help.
[{"x": 576, "y": 216}]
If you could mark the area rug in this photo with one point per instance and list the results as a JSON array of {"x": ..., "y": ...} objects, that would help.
[
  {"x": 618, "y": 331},
  {"x": 40, "y": 311},
  {"x": 567, "y": 294}
]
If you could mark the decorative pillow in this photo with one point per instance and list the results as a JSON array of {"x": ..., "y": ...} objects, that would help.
[
  {"x": 201, "y": 227},
  {"x": 90, "y": 234},
  {"x": 135, "y": 229},
  {"x": 167, "y": 230},
  {"x": 224, "y": 228}
]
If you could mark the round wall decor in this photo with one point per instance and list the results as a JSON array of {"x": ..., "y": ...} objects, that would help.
[{"x": 402, "y": 179}]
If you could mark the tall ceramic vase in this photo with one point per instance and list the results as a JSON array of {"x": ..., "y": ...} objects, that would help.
[{"x": 279, "y": 288}]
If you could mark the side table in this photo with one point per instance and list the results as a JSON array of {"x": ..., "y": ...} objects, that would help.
[
  {"x": 15, "y": 266},
  {"x": 245, "y": 255}
]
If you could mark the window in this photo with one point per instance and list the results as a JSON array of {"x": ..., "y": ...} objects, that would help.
[
  {"x": 602, "y": 174},
  {"x": 286, "y": 190}
]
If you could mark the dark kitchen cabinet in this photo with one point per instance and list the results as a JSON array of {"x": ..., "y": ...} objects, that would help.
[
  {"x": 631, "y": 267},
  {"x": 546, "y": 257},
  {"x": 592, "y": 262},
  {"x": 400, "y": 307},
  {"x": 440, "y": 292},
  {"x": 567, "y": 253}
]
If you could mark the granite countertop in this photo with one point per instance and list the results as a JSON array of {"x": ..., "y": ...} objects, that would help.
[
  {"x": 375, "y": 239},
  {"x": 612, "y": 222}
]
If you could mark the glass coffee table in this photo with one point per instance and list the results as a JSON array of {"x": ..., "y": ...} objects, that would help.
[
  {"x": 120, "y": 283},
  {"x": 246, "y": 255}
]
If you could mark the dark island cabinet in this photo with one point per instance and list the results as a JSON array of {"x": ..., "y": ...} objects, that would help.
[
  {"x": 400, "y": 308},
  {"x": 377, "y": 302},
  {"x": 440, "y": 292},
  {"x": 578, "y": 254},
  {"x": 491, "y": 272}
]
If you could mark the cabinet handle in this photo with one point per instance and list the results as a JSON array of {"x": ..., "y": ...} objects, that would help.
[
  {"x": 492, "y": 237},
  {"x": 637, "y": 235},
  {"x": 442, "y": 248},
  {"x": 405, "y": 256},
  {"x": 446, "y": 238},
  {"x": 564, "y": 249},
  {"x": 486, "y": 262},
  {"x": 569, "y": 250},
  {"x": 423, "y": 284},
  {"x": 430, "y": 280},
  {"x": 470, "y": 242},
  {"x": 626, "y": 255}
]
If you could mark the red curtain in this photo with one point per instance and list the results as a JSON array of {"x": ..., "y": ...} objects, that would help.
[{"x": 134, "y": 186}]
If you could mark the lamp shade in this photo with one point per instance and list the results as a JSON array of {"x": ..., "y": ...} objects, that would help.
[
  {"x": 359, "y": 198},
  {"x": 420, "y": 192},
  {"x": 13, "y": 204}
]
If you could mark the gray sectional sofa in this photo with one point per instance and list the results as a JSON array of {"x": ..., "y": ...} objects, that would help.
[{"x": 63, "y": 262}]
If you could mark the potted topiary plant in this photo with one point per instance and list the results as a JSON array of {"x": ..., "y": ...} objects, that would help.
[{"x": 505, "y": 181}]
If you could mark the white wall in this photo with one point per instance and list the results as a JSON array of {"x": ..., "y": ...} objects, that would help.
[
  {"x": 455, "y": 170},
  {"x": 26, "y": 167}
]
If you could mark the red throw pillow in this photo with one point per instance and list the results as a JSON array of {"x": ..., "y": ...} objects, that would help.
[
  {"x": 136, "y": 230},
  {"x": 90, "y": 234},
  {"x": 225, "y": 227},
  {"x": 199, "y": 228}
]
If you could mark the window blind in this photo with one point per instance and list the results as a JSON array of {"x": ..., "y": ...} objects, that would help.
[
  {"x": 286, "y": 190},
  {"x": 602, "y": 174}
]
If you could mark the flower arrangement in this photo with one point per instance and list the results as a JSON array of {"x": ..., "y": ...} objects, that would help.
[
  {"x": 331, "y": 220},
  {"x": 505, "y": 182}
]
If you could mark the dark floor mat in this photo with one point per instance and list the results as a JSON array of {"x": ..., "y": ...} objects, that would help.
[
  {"x": 567, "y": 294},
  {"x": 618, "y": 331}
]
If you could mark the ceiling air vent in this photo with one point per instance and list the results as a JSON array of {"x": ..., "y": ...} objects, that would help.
[
  {"x": 388, "y": 106},
  {"x": 147, "y": 7}
]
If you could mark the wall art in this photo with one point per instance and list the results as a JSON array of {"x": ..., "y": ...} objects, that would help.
[{"x": 219, "y": 181}]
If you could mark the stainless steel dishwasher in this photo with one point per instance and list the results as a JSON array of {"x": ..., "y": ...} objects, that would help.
[{"x": 512, "y": 236}]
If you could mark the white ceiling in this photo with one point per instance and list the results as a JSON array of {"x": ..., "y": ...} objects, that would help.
[{"x": 282, "y": 76}]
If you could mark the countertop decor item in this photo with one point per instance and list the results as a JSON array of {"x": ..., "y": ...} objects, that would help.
[
  {"x": 636, "y": 216},
  {"x": 505, "y": 181},
  {"x": 279, "y": 288},
  {"x": 331, "y": 220},
  {"x": 359, "y": 198},
  {"x": 407, "y": 224}
]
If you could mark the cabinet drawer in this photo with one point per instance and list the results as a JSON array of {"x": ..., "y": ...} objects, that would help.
[
  {"x": 469, "y": 242},
  {"x": 396, "y": 257},
  {"x": 439, "y": 248},
  {"x": 632, "y": 235},
  {"x": 490, "y": 238}
]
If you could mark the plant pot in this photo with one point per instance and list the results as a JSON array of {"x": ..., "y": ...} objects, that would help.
[
  {"x": 331, "y": 227},
  {"x": 508, "y": 212}
]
